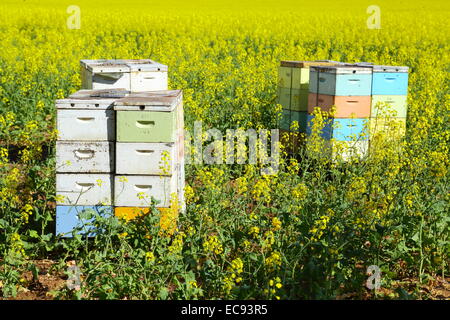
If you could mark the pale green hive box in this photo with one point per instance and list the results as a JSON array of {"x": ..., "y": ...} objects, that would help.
[
  {"x": 396, "y": 103},
  {"x": 295, "y": 74},
  {"x": 148, "y": 116}
]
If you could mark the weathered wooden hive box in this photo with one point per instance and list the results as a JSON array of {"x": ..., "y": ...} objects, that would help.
[{"x": 129, "y": 74}]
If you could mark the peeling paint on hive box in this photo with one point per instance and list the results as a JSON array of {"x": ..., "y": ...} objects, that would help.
[
  {"x": 82, "y": 156},
  {"x": 131, "y": 74}
]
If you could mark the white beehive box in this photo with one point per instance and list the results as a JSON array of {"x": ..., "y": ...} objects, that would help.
[
  {"x": 84, "y": 189},
  {"x": 86, "y": 157},
  {"x": 88, "y": 115},
  {"x": 144, "y": 158},
  {"x": 130, "y": 74},
  {"x": 136, "y": 191}
]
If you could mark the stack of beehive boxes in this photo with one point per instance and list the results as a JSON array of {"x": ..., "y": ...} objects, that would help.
[
  {"x": 389, "y": 101},
  {"x": 84, "y": 156},
  {"x": 120, "y": 143},
  {"x": 149, "y": 151},
  {"x": 293, "y": 91},
  {"x": 356, "y": 92},
  {"x": 348, "y": 89}
]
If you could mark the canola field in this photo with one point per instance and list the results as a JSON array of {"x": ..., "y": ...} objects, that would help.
[{"x": 310, "y": 231}]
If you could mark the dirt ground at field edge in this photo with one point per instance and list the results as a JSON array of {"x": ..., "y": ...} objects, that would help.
[{"x": 49, "y": 282}]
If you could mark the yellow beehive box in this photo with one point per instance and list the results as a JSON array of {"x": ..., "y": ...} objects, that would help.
[
  {"x": 167, "y": 221},
  {"x": 389, "y": 128}
]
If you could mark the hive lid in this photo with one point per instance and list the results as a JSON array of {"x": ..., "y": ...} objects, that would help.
[
  {"x": 343, "y": 69},
  {"x": 381, "y": 68},
  {"x": 163, "y": 100},
  {"x": 122, "y": 65},
  {"x": 364, "y": 63},
  {"x": 92, "y": 99},
  {"x": 305, "y": 64}
]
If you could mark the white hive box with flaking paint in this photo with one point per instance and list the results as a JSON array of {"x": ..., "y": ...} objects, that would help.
[
  {"x": 84, "y": 189},
  {"x": 137, "y": 190},
  {"x": 85, "y": 156},
  {"x": 88, "y": 115},
  {"x": 144, "y": 158},
  {"x": 130, "y": 74}
]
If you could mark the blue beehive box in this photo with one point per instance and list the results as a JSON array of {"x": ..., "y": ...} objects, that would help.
[
  {"x": 341, "y": 129},
  {"x": 70, "y": 217},
  {"x": 345, "y": 80},
  {"x": 390, "y": 80}
]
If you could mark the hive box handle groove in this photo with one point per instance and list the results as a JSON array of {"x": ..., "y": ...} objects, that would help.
[
  {"x": 144, "y": 123},
  {"x": 145, "y": 152},
  {"x": 84, "y": 154},
  {"x": 142, "y": 187},
  {"x": 85, "y": 119},
  {"x": 82, "y": 185}
]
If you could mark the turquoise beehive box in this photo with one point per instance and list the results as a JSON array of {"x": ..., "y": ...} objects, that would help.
[
  {"x": 341, "y": 129},
  {"x": 390, "y": 80},
  {"x": 341, "y": 80}
]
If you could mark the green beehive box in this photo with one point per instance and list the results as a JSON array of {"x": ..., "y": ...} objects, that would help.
[
  {"x": 293, "y": 99},
  {"x": 284, "y": 77},
  {"x": 284, "y": 97},
  {"x": 145, "y": 126},
  {"x": 295, "y": 74},
  {"x": 295, "y": 78},
  {"x": 148, "y": 117},
  {"x": 299, "y": 100}
]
